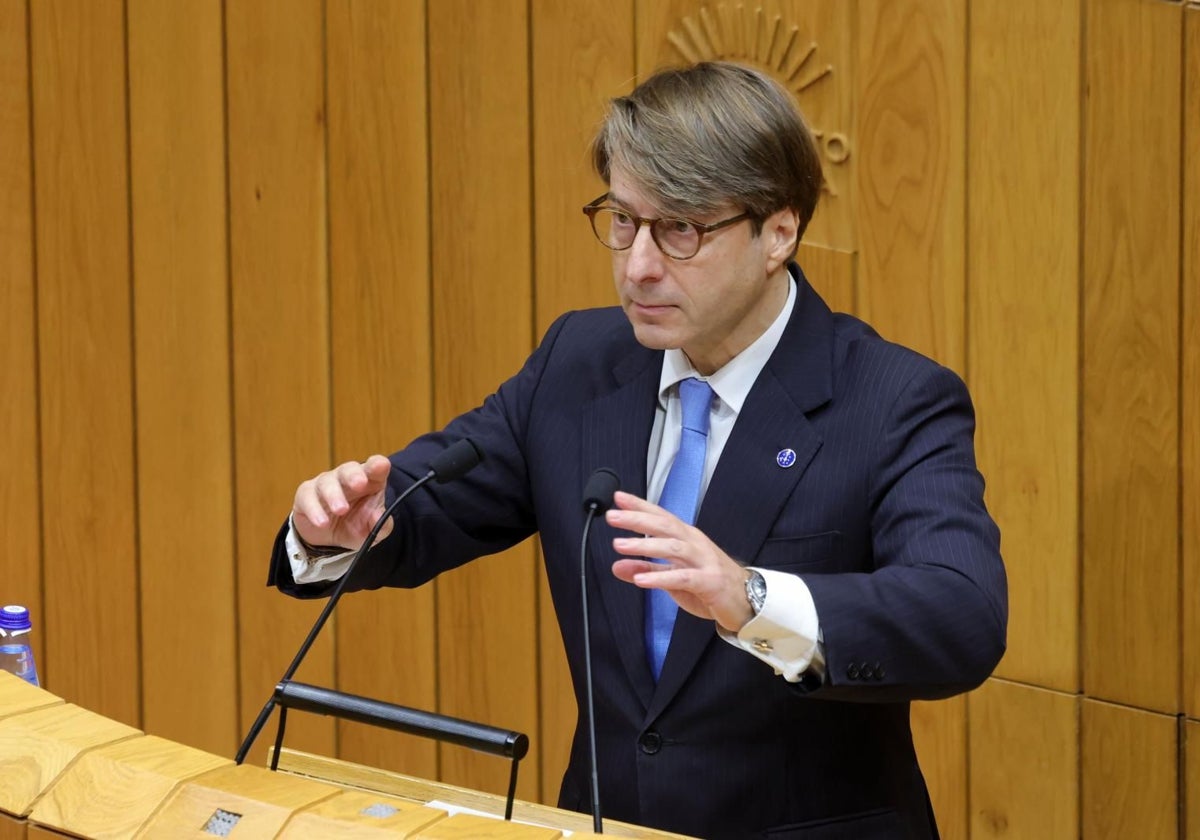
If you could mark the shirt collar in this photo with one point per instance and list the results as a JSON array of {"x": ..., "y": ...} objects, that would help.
[{"x": 733, "y": 381}]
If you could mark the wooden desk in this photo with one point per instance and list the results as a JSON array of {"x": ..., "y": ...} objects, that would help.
[
  {"x": 63, "y": 768},
  {"x": 411, "y": 789}
]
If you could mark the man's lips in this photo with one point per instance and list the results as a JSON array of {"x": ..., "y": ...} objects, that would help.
[{"x": 651, "y": 308}]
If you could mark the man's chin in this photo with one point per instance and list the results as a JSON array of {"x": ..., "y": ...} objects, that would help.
[{"x": 655, "y": 337}]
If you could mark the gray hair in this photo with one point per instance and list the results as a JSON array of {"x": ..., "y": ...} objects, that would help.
[{"x": 715, "y": 133}]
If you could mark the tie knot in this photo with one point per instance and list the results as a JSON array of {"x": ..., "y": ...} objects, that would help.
[{"x": 695, "y": 397}]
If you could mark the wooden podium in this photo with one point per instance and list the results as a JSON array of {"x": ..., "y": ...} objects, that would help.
[{"x": 65, "y": 771}]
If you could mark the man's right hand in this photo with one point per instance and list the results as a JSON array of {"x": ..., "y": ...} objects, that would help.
[{"x": 340, "y": 506}]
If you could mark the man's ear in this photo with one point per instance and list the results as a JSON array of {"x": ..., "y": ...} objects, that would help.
[{"x": 780, "y": 231}]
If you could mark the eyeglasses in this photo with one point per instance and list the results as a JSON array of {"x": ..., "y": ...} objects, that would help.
[{"x": 679, "y": 239}]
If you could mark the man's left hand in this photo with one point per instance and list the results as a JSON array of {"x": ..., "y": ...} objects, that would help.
[{"x": 702, "y": 578}]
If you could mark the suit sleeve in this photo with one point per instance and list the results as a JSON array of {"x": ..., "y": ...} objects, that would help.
[
  {"x": 930, "y": 620},
  {"x": 443, "y": 526}
]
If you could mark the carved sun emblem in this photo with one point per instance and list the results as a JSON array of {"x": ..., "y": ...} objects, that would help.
[
  {"x": 752, "y": 35},
  {"x": 748, "y": 34}
]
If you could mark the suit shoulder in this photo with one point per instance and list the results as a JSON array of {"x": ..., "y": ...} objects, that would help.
[
  {"x": 589, "y": 332},
  {"x": 599, "y": 319},
  {"x": 592, "y": 350},
  {"x": 865, "y": 358}
]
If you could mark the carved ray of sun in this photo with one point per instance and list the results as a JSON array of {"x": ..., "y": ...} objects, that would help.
[{"x": 749, "y": 34}]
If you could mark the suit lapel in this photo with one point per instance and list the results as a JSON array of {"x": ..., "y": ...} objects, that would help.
[
  {"x": 616, "y": 434},
  {"x": 750, "y": 487}
]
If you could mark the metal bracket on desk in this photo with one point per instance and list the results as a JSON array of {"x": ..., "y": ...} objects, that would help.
[{"x": 505, "y": 743}]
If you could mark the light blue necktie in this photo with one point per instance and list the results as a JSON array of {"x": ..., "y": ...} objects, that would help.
[{"x": 681, "y": 496}]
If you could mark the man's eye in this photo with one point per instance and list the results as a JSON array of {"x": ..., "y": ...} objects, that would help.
[
  {"x": 677, "y": 226},
  {"x": 623, "y": 219}
]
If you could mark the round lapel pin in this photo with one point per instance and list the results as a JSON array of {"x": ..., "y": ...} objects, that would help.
[{"x": 786, "y": 458}]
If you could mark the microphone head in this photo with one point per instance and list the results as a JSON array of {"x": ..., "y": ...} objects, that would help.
[
  {"x": 455, "y": 461},
  {"x": 598, "y": 492}
]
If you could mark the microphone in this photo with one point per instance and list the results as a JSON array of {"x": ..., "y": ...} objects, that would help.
[
  {"x": 597, "y": 498},
  {"x": 453, "y": 462}
]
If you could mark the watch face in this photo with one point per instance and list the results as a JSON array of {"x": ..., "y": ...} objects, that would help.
[{"x": 756, "y": 591}]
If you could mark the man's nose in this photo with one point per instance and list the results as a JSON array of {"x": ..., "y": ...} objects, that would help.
[{"x": 644, "y": 260}]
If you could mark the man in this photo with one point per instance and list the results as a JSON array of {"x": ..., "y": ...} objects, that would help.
[{"x": 819, "y": 554}]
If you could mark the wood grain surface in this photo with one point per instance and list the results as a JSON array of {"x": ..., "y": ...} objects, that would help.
[
  {"x": 280, "y": 326},
  {"x": 1023, "y": 319},
  {"x": 1131, "y": 354},
  {"x": 1024, "y": 768},
  {"x": 181, "y": 320},
  {"x": 20, "y": 501},
  {"x": 1130, "y": 774},
  {"x": 81, "y": 195}
]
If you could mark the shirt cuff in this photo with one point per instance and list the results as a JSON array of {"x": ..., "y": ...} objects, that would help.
[
  {"x": 309, "y": 569},
  {"x": 786, "y": 633}
]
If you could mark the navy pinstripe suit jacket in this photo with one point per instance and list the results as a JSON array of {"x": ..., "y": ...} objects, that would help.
[{"x": 882, "y": 515}]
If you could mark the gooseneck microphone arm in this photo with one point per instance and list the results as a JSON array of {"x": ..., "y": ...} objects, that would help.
[
  {"x": 453, "y": 462},
  {"x": 597, "y": 498}
]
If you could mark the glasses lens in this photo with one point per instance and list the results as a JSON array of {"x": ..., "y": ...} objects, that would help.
[
  {"x": 678, "y": 238},
  {"x": 617, "y": 229},
  {"x": 614, "y": 228}
]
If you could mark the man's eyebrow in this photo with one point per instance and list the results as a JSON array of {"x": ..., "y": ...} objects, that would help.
[{"x": 620, "y": 202}]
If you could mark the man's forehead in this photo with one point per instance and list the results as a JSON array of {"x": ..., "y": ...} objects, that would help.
[{"x": 626, "y": 192}]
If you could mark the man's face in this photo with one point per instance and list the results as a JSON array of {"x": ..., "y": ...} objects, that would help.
[{"x": 713, "y": 305}]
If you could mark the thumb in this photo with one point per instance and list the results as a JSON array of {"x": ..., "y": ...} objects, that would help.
[{"x": 377, "y": 468}]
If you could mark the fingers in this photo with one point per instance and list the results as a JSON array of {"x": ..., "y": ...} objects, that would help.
[
  {"x": 377, "y": 468},
  {"x": 333, "y": 493},
  {"x": 636, "y": 514},
  {"x": 650, "y": 575},
  {"x": 659, "y": 548},
  {"x": 702, "y": 578},
  {"x": 628, "y": 569},
  {"x": 629, "y": 502}
]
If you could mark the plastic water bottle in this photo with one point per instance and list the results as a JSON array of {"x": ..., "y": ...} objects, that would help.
[{"x": 16, "y": 656}]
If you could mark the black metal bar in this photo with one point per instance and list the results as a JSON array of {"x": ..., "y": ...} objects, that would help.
[
  {"x": 279, "y": 737},
  {"x": 476, "y": 736},
  {"x": 259, "y": 723},
  {"x": 512, "y": 790}
]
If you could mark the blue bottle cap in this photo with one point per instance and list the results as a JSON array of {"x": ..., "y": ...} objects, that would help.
[{"x": 14, "y": 617}]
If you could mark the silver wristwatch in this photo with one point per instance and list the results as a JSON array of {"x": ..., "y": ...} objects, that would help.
[{"x": 756, "y": 591}]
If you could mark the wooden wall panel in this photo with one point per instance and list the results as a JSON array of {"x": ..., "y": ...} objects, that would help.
[
  {"x": 1023, "y": 329},
  {"x": 276, "y": 143},
  {"x": 1190, "y": 407},
  {"x": 483, "y": 324},
  {"x": 808, "y": 45},
  {"x": 81, "y": 199},
  {"x": 582, "y": 57},
  {"x": 1024, "y": 765},
  {"x": 910, "y": 175},
  {"x": 381, "y": 343},
  {"x": 831, "y": 273},
  {"x": 1129, "y": 773},
  {"x": 1131, "y": 353},
  {"x": 20, "y": 513},
  {"x": 940, "y": 736},
  {"x": 181, "y": 341}
]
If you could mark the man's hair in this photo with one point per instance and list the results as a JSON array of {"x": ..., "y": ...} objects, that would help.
[{"x": 700, "y": 137}]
